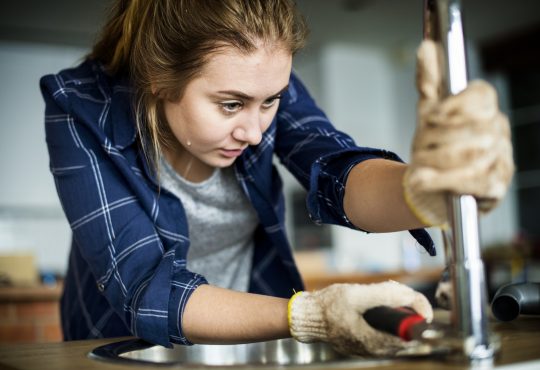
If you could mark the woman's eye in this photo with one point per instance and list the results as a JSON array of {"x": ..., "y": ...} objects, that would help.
[
  {"x": 270, "y": 102},
  {"x": 231, "y": 107}
]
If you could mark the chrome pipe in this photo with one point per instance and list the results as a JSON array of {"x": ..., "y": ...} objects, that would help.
[{"x": 443, "y": 24}]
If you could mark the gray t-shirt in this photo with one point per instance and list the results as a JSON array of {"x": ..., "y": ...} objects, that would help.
[{"x": 221, "y": 223}]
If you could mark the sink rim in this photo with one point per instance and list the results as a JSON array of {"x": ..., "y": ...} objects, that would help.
[{"x": 112, "y": 352}]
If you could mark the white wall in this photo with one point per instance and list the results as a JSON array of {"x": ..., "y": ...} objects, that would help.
[
  {"x": 360, "y": 87},
  {"x": 31, "y": 218}
]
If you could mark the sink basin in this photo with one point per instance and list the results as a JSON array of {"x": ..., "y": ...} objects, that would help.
[{"x": 282, "y": 352}]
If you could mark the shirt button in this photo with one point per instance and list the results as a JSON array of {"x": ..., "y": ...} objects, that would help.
[{"x": 101, "y": 287}]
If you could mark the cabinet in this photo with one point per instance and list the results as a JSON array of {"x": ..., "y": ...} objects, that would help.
[{"x": 517, "y": 57}]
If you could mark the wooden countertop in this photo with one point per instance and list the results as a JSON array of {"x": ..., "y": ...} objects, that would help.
[
  {"x": 315, "y": 281},
  {"x": 317, "y": 274},
  {"x": 31, "y": 293},
  {"x": 520, "y": 343}
]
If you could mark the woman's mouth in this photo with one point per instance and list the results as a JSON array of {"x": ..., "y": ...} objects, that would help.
[{"x": 231, "y": 153}]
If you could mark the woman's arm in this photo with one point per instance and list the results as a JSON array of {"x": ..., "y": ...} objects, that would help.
[
  {"x": 374, "y": 198},
  {"x": 320, "y": 157},
  {"x": 217, "y": 315},
  {"x": 134, "y": 257}
]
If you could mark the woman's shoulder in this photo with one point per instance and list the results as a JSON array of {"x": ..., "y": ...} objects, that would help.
[
  {"x": 83, "y": 76},
  {"x": 87, "y": 82},
  {"x": 91, "y": 96}
]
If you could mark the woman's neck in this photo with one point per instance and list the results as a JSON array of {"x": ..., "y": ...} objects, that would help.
[{"x": 187, "y": 165}]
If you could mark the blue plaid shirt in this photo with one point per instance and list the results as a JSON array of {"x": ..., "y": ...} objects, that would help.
[{"x": 127, "y": 267}]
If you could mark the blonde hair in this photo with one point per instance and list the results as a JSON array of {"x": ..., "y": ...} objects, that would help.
[{"x": 162, "y": 44}]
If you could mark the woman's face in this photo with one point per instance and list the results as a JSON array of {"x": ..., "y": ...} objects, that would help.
[{"x": 226, "y": 108}]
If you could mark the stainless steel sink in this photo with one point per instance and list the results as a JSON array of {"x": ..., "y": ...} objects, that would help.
[{"x": 277, "y": 353}]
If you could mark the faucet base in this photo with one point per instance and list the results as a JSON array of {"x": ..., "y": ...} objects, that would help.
[{"x": 445, "y": 342}]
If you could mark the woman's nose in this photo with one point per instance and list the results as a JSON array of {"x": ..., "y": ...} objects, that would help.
[{"x": 249, "y": 130}]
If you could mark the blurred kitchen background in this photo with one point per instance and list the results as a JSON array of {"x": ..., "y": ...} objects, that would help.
[{"x": 359, "y": 66}]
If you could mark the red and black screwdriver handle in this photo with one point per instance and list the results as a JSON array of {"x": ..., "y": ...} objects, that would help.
[{"x": 403, "y": 322}]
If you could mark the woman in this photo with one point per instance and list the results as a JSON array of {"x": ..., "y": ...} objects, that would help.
[{"x": 161, "y": 146}]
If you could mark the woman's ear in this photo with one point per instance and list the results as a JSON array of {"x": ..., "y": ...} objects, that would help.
[{"x": 159, "y": 93}]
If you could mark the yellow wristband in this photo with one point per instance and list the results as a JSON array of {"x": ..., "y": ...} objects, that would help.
[
  {"x": 415, "y": 211},
  {"x": 289, "y": 307}
]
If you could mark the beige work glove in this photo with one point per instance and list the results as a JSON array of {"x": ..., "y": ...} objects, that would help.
[
  {"x": 334, "y": 315},
  {"x": 462, "y": 145}
]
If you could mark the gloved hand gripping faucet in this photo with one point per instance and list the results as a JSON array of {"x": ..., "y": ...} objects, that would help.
[{"x": 462, "y": 145}]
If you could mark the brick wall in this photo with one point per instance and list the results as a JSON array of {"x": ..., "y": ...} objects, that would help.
[{"x": 30, "y": 315}]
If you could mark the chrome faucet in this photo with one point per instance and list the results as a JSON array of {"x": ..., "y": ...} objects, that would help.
[{"x": 469, "y": 317}]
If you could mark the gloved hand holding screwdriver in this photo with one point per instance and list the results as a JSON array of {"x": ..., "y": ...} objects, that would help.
[
  {"x": 334, "y": 315},
  {"x": 462, "y": 146}
]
